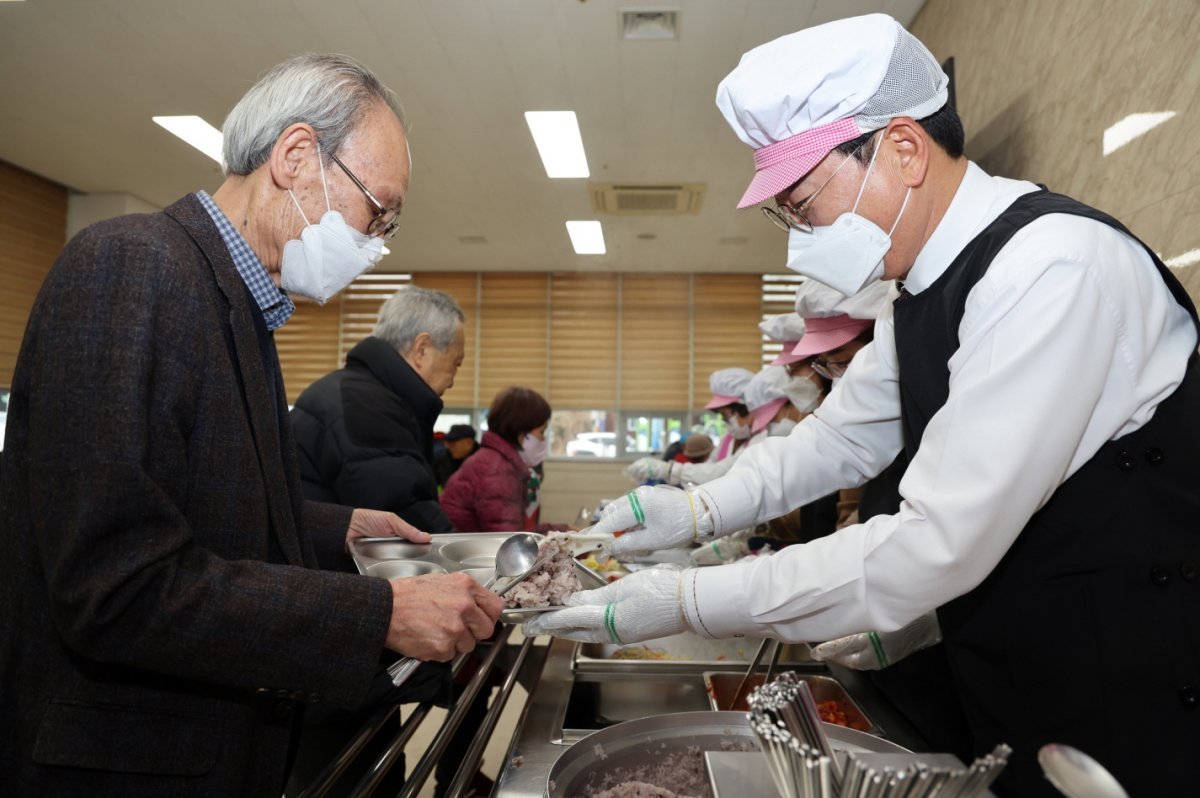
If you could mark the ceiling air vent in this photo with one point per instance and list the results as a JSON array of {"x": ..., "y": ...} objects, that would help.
[
  {"x": 640, "y": 24},
  {"x": 660, "y": 200}
]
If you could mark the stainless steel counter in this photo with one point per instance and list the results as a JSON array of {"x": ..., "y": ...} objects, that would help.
[{"x": 566, "y": 705}]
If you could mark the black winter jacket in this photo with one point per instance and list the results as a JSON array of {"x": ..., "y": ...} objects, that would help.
[{"x": 365, "y": 437}]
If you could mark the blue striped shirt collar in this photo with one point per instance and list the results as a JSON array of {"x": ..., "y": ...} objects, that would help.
[{"x": 275, "y": 305}]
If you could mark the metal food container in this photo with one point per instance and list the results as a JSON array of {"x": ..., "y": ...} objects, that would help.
[
  {"x": 619, "y": 751},
  {"x": 687, "y": 650},
  {"x": 721, "y": 687},
  {"x": 471, "y": 552}
]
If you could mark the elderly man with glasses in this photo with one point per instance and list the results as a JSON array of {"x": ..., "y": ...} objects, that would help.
[{"x": 164, "y": 615}]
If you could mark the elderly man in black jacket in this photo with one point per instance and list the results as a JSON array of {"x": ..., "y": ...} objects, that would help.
[{"x": 365, "y": 432}]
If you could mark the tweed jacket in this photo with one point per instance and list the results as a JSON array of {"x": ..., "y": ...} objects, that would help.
[{"x": 161, "y": 616}]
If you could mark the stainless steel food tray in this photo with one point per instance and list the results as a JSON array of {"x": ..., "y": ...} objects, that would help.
[
  {"x": 642, "y": 742},
  {"x": 471, "y": 552},
  {"x": 686, "y": 653},
  {"x": 721, "y": 686}
]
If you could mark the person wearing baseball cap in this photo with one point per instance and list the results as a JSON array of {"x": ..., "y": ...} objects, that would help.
[{"x": 1038, "y": 369}]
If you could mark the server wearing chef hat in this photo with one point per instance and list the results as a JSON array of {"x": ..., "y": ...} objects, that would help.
[
  {"x": 728, "y": 386},
  {"x": 1039, "y": 370}
]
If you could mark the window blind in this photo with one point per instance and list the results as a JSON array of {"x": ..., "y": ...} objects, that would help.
[
  {"x": 778, "y": 297},
  {"x": 654, "y": 342},
  {"x": 726, "y": 310},
  {"x": 513, "y": 332},
  {"x": 583, "y": 341}
]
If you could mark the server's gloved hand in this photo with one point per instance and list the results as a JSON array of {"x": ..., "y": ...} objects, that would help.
[
  {"x": 642, "y": 606},
  {"x": 645, "y": 469},
  {"x": 650, "y": 518},
  {"x": 871, "y": 651},
  {"x": 724, "y": 550}
]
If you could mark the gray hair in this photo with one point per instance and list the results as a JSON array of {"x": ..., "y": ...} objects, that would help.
[
  {"x": 329, "y": 92},
  {"x": 412, "y": 311}
]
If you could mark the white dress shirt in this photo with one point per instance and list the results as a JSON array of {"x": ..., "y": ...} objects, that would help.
[{"x": 1069, "y": 340}]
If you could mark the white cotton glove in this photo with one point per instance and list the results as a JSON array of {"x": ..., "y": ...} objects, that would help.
[
  {"x": 645, "y": 469},
  {"x": 642, "y": 606},
  {"x": 724, "y": 550},
  {"x": 871, "y": 651},
  {"x": 650, "y": 518}
]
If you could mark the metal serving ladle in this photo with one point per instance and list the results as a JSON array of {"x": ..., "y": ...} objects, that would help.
[
  {"x": 516, "y": 558},
  {"x": 1077, "y": 775}
]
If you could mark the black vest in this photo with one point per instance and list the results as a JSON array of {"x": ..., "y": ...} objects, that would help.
[{"x": 1088, "y": 630}]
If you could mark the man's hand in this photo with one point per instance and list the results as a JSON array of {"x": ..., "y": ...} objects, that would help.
[
  {"x": 648, "y": 519},
  {"x": 437, "y": 616},
  {"x": 380, "y": 524},
  {"x": 642, "y": 606}
]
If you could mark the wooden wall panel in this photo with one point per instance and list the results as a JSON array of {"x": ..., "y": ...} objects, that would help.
[{"x": 33, "y": 229}]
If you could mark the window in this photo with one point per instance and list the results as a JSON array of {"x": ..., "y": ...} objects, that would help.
[
  {"x": 582, "y": 433},
  {"x": 652, "y": 433}
]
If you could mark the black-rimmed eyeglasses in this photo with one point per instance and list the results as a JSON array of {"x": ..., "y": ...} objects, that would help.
[{"x": 385, "y": 223}]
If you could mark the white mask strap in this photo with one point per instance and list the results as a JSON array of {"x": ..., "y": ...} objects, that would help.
[
  {"x": 324, "y": 185},
  {"x": 297, "y": 204},
  {"x": 871, "y": 166},
  {"x": 903, "y": 205}
]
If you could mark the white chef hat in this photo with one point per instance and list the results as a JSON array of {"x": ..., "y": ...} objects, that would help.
[
  {"x": 788, "y": 329},
  {"x": 765, "y": 395},
  {"x": 832, "y": 319},
  {"x": 796, "y": 98},
  {"x": 727, "y": 386}
]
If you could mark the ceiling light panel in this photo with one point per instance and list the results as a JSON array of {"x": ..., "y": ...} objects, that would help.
[
  {"x": 194, "y": 131},
  {"x": 586, "y": 237},
  {"x": 556, "y": 134}
]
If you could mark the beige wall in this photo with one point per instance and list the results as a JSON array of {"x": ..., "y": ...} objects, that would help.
[{"x": 1039, "y": 81}]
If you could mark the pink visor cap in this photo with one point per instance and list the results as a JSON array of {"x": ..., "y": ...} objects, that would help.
[
  {"x": 720, "y": 400},
  {"x": 796, "y": 98},
  {"x": 828, "y": 333},
  {"x": 784, "y": 163},
  {"x": 788, "y": 355},
  {"x": 763, "y": 415}
]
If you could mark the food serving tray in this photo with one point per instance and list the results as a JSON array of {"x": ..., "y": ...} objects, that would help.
[
  {"x": 721, "y": 687},
  {"x": 473, "y": 553},
  {"x": 642, "y": 742},
  {"x": 686, "y": 652}
]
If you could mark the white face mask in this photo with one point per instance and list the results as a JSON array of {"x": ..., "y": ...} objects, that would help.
[
  {"x": 803, "y": 393},
  {"x": 328, "y": 256},
  {"x": 848, "y": 254},
  {"x": 533, "y": 450},
  {"x": 777, "y": 429},
  {"x": 739, "y": 432}
]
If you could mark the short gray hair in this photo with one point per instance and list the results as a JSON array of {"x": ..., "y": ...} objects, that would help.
[
  {"x": 412, "y": 311},
  {"x": 329, "y": 92}
]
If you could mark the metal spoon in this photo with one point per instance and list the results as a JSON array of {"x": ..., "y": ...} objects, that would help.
[
  {"x": 516, "y": 557},
  {"x": 1077, "y": 775}
]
